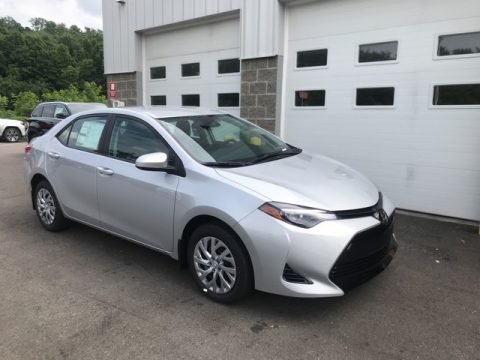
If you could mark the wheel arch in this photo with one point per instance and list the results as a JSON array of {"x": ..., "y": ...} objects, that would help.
[
  {"x": 198, "y": 221},
  {"x": 36, "y": 179}
]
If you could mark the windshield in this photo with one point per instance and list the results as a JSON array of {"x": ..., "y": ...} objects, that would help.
[{"x": 223, "y": 140}]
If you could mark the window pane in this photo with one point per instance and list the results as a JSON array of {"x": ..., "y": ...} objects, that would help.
[
  {"x": 48, "y": 110},
  {"x": 158, "y": 100},
  {"x": 158, "y": 72},
  {"x": 462, "y": 94},
  {"x": 192, "y": 69},
  {"x": 312, "y": 58},
  {"x": 310, "y": 98},
  {"x": 191, "y": 100},
  {"x": 132, "y": 138},
  {"x": 383, "y": 96},
  {"x": 458, "y": 44},
  {"x": 228, "y": 66},
  {"x": 384, "y": 51},
  {"x": 63, "y": 136},
  {"x": 86, "y": 133},
  {"x": 229, "y": 100},
  {"x": 60, "y": 112},
  {"x": 37, "y": 111}
]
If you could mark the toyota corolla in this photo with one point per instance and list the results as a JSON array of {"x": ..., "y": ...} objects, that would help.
[{"x": 242, "y": 208}]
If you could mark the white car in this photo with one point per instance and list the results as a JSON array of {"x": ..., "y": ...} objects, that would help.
[
  {"x": 240, "y": 206},
  {"x": 12, "y": 130}
]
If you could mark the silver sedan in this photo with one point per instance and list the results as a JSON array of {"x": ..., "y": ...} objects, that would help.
[{"x": 239, "y": 206}]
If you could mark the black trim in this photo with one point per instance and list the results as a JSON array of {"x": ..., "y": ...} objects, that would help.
[
  {"x": 368, "y": 253},
  {"x": 292, "y": 276},
  {"x": 363, "y": 212}
]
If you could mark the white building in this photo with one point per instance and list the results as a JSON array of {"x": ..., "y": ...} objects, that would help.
[{"x": 389, "y": 87}]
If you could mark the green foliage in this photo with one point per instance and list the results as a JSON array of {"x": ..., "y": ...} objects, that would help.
[
  {"x": 3, "y": 103},
  {"x": 90, "y": 93},
  {"x": 25, "y": 102},
  {"x": 49, "y": 60}
]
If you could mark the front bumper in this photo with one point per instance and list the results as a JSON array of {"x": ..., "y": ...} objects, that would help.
[{"x": 331, "y": 257}]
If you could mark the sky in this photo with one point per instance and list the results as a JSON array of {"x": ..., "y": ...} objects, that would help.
[{"x": 83, "y": 13}]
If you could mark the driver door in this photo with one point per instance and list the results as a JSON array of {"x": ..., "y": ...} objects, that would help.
[{"x": 136, "y": 203}]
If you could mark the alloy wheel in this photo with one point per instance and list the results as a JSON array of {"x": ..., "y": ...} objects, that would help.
[
  {"x": 46, "y": 206},
  {"x": 214, "y": 265},
  {"x": 12, "y": 135}
]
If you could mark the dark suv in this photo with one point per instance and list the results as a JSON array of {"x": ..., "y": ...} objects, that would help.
[{"x": 48, "y": 114}]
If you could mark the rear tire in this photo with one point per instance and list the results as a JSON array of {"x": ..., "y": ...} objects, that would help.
[
  {"x": 48, "y": 209},
  {"x": 219, "y": 264},
  {"x": 12, "y": 134}
]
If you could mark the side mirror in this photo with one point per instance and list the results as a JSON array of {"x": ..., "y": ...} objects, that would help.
[
  {"x": 153, "y": 161},
  {"x": 61, "y": 116}
]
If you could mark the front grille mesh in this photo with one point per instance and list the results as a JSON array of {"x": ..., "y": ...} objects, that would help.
[{"x": 367, "y": 255}]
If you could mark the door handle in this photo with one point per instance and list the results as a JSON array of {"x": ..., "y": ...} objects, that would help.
[
  {"x": 105, "y": 171},
  {"x": 53, "y": 155}
]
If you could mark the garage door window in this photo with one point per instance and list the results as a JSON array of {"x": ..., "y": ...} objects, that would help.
[
  {"x": 309, "y": 98},
  {"x": 229, "y": 66},
  {"x": 459, "y": 44},
  {"x": 378, "y": 52},
  {"x": 312, "y": 58},
  {"x": 158, "y": 100},
  {"x": 456, "y": 95},
  {"x": 192, "y": 69},
  {"x": 229, "y": 100},
  {"x": 158, "y": 72},
  {"x": 191, "y": 100},
  {"x": 375, "y": 96}
]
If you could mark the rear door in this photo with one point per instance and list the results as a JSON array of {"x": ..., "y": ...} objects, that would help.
[
  {"x": 136, "y": 203},
  {"x": 72, "y": 161}
]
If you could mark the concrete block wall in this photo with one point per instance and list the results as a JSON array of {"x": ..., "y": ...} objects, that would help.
[
  {"x": 126, "y": 87},
  {"x": 258, "y": 95}
]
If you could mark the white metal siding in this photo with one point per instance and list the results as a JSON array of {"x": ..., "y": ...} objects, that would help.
[
  {"x": 425, "y": 158},
  {"x": 261, "y": 25},
  {"x": 203, "y": 43}
]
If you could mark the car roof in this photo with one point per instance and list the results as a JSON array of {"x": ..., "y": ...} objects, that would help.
[
  {"x": 159, "y": 112},
  {"x": 70, "y": 103}
]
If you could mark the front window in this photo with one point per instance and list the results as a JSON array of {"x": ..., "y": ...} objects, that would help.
[{"x": 225, "y": 141}]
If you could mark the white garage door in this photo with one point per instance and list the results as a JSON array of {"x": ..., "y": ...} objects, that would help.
[
  {"x": 368, "y": 84},
  {"x": 194, "y": 66}
]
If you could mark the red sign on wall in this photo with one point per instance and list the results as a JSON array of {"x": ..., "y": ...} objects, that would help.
[{"x": 112, "y": 90}]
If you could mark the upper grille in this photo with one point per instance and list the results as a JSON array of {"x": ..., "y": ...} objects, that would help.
[{"x": 368, "y": 211}]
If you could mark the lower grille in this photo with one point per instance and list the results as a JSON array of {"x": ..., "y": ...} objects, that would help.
[
  {"x": 291, "y": 276},
  {"x": 367, "y": 254}
]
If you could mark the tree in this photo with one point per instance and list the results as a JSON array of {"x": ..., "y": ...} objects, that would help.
[
  {"x": 25, "y": 102},
  {"x": 49, "y": 58}
]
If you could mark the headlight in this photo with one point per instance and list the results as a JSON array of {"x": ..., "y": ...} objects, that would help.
[{"x": 297, "y": 215}]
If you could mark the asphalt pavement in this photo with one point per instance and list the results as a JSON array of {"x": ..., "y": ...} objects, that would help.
[{"x": 84, "y": 294}]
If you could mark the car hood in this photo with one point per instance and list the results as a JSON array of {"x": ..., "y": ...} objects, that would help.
[
  {"x": 10, "y": 122},
  {"x": 308, "y": 180}
]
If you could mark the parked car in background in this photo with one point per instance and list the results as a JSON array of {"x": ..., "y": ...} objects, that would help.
[
  {"x": 240, "y": 206},
  {"x": 48, "y": 114},
  {"x": 12, "y": 130}
]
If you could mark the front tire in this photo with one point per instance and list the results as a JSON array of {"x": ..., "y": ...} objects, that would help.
[
  {"x": 12, "y": 134},
  {"x": 48, "y": 209},
  {"x": 219, "y": 264}
]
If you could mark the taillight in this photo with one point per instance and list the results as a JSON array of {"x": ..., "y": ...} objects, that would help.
[{"x": 27, "y": 149}]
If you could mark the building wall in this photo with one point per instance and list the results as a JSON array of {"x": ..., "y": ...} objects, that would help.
[
  {"x": 126, "y": 87},
  {"x": 261, "y": 26},
  {"x": 259, "y": 91}
]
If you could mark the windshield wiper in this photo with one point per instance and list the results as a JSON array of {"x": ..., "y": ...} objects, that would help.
[
  {"x": 277, "y": 155},
  {"x": 226, "y": 164}
]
